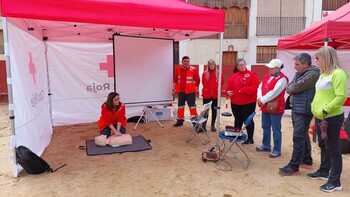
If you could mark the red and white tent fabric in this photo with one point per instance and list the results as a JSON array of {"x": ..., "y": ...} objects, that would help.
[
  {"x": 60, "y": 56},
  {"x": 161, "y": 18},
  {"x": 333, "y": 30},
  {"x": 335, "y": 26}
]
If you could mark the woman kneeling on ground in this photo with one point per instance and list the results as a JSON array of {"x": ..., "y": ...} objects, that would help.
[{"x": 112, "y": 120}]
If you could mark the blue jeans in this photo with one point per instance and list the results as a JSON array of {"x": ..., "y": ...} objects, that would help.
[{"x": 272, "y": 120}]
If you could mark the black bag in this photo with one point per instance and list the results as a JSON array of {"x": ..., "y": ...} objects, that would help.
[
  {"x": 347, "y": 126},
  {"x": 31, "y": 162}
]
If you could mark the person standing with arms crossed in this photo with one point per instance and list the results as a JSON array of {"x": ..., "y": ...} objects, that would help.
[{"x": 301, "y": 91}]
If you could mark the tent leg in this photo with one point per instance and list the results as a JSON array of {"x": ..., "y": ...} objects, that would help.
[
  {"x": 219, "y": 81},
  {"x": 10, "y": 99},
  {"x": 48, "y": 82}
]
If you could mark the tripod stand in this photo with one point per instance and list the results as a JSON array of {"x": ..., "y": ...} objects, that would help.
[{"x": 148, "y": 110}]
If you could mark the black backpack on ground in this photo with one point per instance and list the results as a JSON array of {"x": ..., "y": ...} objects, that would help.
[{"x": 31, "y": 162}]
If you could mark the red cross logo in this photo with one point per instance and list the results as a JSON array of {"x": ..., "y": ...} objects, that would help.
[{"x": 108, "y": 66}]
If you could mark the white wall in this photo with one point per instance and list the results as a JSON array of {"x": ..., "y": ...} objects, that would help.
[
  {"x": 201, "y": 50},
  {"x": 251, "y": 59},
  {"x": 313, "y": 11}
]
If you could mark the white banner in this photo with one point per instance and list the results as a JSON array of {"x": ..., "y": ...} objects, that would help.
[
  {"x": 33, "y": 126},
  {"x": 144, "y": 70},
  {"x": 81, "y": 76}
]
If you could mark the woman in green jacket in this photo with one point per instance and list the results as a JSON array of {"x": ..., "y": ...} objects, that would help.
[{"x": 327, "y": 107}]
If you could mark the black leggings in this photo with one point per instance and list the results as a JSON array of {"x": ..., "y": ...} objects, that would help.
[
  {"x": 331, "y": 158},
  {"x": 241, "y": 113},
  {"x": 213, "y": 109}
]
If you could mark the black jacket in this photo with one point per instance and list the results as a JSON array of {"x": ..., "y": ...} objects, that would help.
[{"x": 302, "y": 90}]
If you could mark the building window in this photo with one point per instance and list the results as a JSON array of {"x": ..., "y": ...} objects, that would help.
[
  {"x": 236, "y": 16},
  {"x": 236, "y": 23},
  {"x": 280, "y": 17},
  {"x": 329, "y": 5},
  {"x": 265, "y": 53}
]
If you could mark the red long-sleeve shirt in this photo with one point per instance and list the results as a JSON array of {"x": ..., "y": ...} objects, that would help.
[
  {"x": 244, "y": 86},
  {"x": 109, "y": 117}
]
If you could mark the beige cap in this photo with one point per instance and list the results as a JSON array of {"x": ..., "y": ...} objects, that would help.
[{"x": 275, "y": 63}]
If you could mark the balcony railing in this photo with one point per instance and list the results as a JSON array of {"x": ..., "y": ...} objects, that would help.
[
  {"x": 329, "y": 5},
  {"x": 279, "y": 26}
]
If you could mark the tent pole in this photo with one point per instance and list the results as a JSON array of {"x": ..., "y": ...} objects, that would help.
[
  {"x": 114, "y": 79},
  {"x": 10, "y": 98},
  {"x": 48, "y": 82},
  {"x": 219, "y": 81},
  {"x": 325, "y": 41}
]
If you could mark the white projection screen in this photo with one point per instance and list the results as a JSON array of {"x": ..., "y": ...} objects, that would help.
[{"x": 144, "y": 70}]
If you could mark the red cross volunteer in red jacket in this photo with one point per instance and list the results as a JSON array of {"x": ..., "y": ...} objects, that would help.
[
  {"x": 242, "y": 88},
  {"x": 186, "y": 81},
  {"x": 210, "y": 90},
  {"x": 112, "y": 120}
]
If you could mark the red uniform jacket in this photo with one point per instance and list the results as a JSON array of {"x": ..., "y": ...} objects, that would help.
[
  {"x": 186, "y": 80},
  {"x": 266, "y": 87},
  {"x": 244, "y": 86},
  {"x": 210, "y": 84},
  {"x": 109, "y": 117}
]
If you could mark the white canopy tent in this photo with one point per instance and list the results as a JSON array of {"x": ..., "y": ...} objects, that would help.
[{"x": 61, "y": 68}]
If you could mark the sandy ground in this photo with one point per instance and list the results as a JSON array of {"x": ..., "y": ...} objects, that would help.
[{"x": 172, "y": 168}]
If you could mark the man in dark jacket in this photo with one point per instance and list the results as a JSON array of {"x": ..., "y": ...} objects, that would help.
[{"x": 301, "y": 91}]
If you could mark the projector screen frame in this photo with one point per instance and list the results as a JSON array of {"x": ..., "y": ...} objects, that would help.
[{"x": 149, "y": 103}]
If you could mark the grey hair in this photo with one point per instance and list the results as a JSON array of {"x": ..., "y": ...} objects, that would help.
[
  {"x": 303, "y": 58},
  {"x": 241, "y": 60},
  {"x": 211, "y": 61}
]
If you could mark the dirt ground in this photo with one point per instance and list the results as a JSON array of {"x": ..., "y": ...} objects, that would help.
[{"x": 172, "y": 168}]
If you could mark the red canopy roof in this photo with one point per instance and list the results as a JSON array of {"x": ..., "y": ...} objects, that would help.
[
  {"x": 168, "y": 14},
  {"x": 335, "y": 26}
]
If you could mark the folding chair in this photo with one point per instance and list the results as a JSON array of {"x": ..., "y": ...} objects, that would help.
[
  {"x": 197, "y": 124},
  {"x": 230, "y": 138}
]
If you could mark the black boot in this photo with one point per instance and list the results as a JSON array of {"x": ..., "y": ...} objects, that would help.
[
  {"x": 179, "y": 123},
  {"x": 213, "y": 129}
]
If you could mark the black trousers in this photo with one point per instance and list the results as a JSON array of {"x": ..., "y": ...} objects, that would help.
[
  {"x": 241, "y": 113},
  {"x": 307, "y": 158},
  {"x": 213, "y": 109},
  {"x": 331, "y": 158},
  {"x": 189, "y": 98},
  {"x": 301, "y": 142}
]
